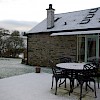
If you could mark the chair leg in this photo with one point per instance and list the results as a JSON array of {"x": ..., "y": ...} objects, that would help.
[
  {"x": 60, "y": 83},
  {"x": 86, "y": 86},
  {"x": 56, "y": 86},
  {"x": 98, "y": 82},
  {"x": 52, "y": 81},
  {"x": 95, "y": 90},
  {"x": 81, "y": 85},
  {"x": 65, "y": 82},
  {"x": 71, "y": 86}
]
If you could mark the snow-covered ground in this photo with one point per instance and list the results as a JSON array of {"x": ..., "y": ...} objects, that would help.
[
  {"x": 11, "y": 67},
  {"x": 35, "y": 86}
]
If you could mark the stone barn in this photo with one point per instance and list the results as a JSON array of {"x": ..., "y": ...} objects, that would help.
[{"x": 72, "y": 34}]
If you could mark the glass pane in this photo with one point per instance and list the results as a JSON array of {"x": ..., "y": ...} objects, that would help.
[{"x": 91, "y": 47}]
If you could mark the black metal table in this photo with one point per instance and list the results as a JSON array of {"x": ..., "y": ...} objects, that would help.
[{"x": 74, "y": 69}]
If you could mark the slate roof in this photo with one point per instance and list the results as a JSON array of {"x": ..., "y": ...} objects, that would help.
[{"x": 71, "y": 21}]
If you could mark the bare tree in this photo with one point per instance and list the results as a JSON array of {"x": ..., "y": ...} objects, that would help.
[
  {"x": 15, "y": 43},
  {"x": 3, "y": 33}
]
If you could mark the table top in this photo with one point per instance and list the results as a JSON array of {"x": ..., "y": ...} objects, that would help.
[{"x": 77, "y": 66}]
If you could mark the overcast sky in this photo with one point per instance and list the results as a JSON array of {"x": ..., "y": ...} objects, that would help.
[{"x": 35, "y": 10}]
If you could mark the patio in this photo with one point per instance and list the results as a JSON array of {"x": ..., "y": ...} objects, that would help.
[{"x": 36, "y": 86}]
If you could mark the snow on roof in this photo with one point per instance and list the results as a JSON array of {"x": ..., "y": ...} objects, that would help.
[{"x": 83, "y": 19}]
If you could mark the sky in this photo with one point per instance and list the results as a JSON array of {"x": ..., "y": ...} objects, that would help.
[{"x": 35, "y": 10}]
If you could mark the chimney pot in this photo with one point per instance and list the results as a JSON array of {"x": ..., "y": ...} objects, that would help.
[{"x": 50, "y": 6}]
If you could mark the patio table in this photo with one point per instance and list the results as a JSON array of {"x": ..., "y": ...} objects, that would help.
[
  {"x": 71, "y": 66},
  {"x": 74, "y": 69}
]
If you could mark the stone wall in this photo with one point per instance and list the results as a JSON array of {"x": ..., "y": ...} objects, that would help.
[{"x": 42, "y": 47}]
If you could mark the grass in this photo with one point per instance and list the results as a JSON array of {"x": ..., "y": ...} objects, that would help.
[{"x": 11, "y": 67}]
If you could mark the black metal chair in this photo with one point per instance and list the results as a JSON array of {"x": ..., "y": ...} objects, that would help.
[
  {"x": 65, "y": 60},
  {"x": 69, "y": 60},
  {"x": 58, "y": 74},
  {"x": 86, "y": 76},
  {"x": 96, "y": 62},
  {"x": 97, "y": 75}
]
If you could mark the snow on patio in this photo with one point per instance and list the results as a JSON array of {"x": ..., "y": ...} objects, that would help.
[{"x": 35, "y": 86}]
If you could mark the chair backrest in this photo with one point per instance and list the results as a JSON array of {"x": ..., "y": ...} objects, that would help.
[
  {"x": 65, "y": 60},
  {"x": 55, "y": 70},
  {"x": 89, "y": 70},
  {"x": 95, "y": 61},
  {"x": 97, "y": 64},
  {"x": 52, "y": 65}
]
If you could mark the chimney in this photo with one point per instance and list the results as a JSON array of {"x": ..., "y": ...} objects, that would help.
[{"x": 50, "y": 17}]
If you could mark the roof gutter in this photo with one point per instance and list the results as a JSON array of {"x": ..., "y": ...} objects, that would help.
[{"x": 73, "y": 30}]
